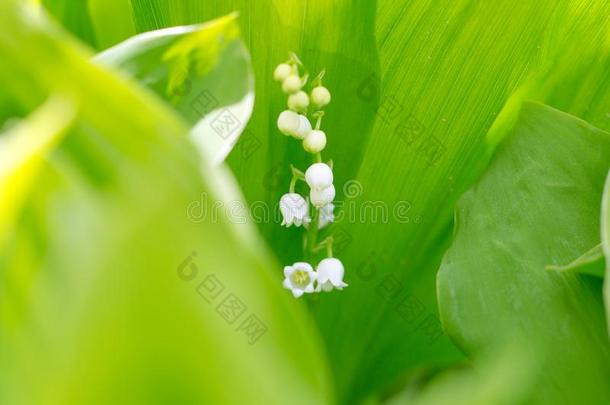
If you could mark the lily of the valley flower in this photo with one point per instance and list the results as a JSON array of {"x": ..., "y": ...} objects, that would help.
[
  {"x": 294, "y": 209},
  {"x": 330, "y": 275},
  {"x": 319, "y": 176},
  {"x": 300, "y": 278},
  {"x": 320, "y": 197}
]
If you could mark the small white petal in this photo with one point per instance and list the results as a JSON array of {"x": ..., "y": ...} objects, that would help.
[
  {"x": 303, "y": 266},
  {"x": 288, "y": 270},
  {"x": 297, "y": 293}
]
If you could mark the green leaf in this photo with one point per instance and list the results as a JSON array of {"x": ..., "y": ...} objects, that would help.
[
  {"x": 422, "y": 93},
  {"x": 101, "y": 294},
  {"x": 203, "y": 71},
  {"x": 591, "y": 262},
  {"x": 538, "y": 203}
]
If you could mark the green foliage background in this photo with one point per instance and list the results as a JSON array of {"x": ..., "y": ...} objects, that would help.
[{"x": 408, "y": 78}]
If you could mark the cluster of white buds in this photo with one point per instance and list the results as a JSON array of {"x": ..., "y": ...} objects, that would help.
[{"x": 315, "y": 212}]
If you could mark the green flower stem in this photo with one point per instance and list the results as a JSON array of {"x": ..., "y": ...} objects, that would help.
[
  {"x": 296, "y": 176},
  {"x": 312, "y": 233},
  {"x": 329, "y": 246}
]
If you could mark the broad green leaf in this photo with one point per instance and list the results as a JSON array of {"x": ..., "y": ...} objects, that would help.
[
  {"x": 591, "y": 262},
  {"x": 203, "y": 71},
  {"x": 105, "y": 288},
  {"x": 422, "y": 93},
  {"x": 538, "y": 203}
]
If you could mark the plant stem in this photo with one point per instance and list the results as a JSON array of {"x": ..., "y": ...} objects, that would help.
[
  {"x": 312, "y": 233},
  {"x": 329, "y": 246},
  {"x": 293, "y": 183}
]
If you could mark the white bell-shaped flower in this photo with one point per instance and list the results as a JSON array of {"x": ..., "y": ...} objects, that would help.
[
  {"x": 319, "y": 176},
  {"x": 330, "y": 273},
  {"x": 320, "y": 197},
  {"x": 294, "y": 209},
  {"x": 327, "y": 215},
  {"x": 299, "y": 278}
]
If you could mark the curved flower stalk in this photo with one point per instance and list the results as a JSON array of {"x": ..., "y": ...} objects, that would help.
[{"x": 315, "y": 211}]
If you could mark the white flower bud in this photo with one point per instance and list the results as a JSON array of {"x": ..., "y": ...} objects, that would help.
[
  {"x": 319, "y": 176},
  {"x": 330, "y": 273},
  {"x": 281, "y": 72},
  {"x": 294, "y": 209},
  {"x": 320, "y": 197},
  {"x": 288, "y": 122},
  {"x": 320, "y": 96},
  {"x": 292, "y": 84},
  {"x": 315, "y": 141},
  {"x": 298, "y": 101},
  {"x": 303, "y": 127}
]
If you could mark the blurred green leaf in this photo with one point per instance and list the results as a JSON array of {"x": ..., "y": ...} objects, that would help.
[
  {"x": 101, "y": 294},
  {"x": 203, "y": 71},
  {"x": 22, "y": 151},
  {"x": 538, "y": 203},
  {"x": 503, "y": 377}
]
